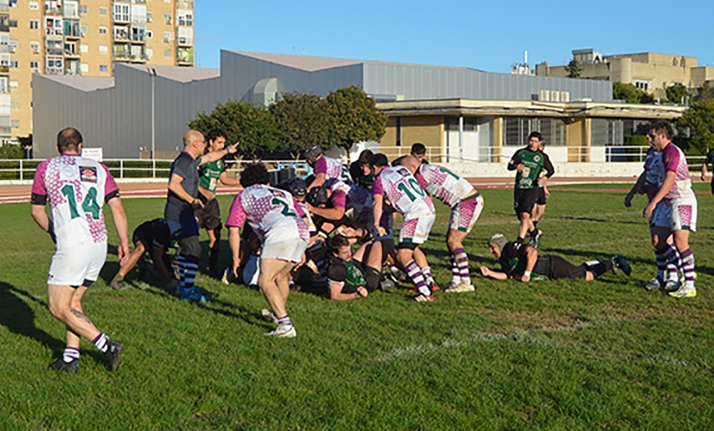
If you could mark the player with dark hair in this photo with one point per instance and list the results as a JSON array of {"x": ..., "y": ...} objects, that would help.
[
  {"x": 277, "y": 220},
  {"x": 419, "y": 151},
  {"x": 181, "y": 202},
  {"x": 466, "y": 204},
  {"x": 528, "y": 162},
  {"x": 324, "y": 167},
  {"x": 76, "y": 188},
  {"x": 209, "y": 216},
  {"x": 399, "y": 186},
  {"x": 678, "y": 215},
  {"x": 357, "y": 171},
  {"x": 152, "y": 237},
  {"x": 347, "y": 277},
  {"x": 521, "y": 262}
]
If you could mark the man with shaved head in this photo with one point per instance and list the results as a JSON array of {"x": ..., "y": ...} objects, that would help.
[
  {"x": 180, "y": 204},
  {"x": 466, "y": 204}
]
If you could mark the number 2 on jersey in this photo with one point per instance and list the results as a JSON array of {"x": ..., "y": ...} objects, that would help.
[
  {"x": 89, "y": 205},
  {"x": 286, "y": 208}
]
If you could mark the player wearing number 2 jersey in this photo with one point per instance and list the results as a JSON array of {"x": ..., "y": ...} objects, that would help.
[
  {"x": 400, "y": 187},
  {"x": 76, "y": 189},
  {"x": 276, "y": 218}
]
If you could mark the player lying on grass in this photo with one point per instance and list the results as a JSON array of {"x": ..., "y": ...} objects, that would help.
[
  {"x": 152, "y": 237},
  {"x": 522, "y": 262}
]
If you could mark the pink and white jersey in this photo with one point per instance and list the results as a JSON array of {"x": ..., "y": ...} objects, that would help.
[
  {"x": 443, "y": 184},
  {"x": 339, "y": 191},
  {"x": 76, "y": 188},
  {"x": 404, "y": 192},
  {"x": 332, "y": 169},
  {"x": 673, "y": 160},
  {"x": 272, "y": 213}
]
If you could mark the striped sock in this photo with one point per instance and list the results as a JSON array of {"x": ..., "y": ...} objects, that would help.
[
  {"x": 455, "y": 274},
  {"x": 462, "y": 261},
  {"x": 672, "y": 267},
  {"x": 190, "y": 270},
  {"x": 688, "y": 267},
  {"x": 426, "y": 271},
  {"x": 70, "y": 354},
  {"x": 101, "y": 342},
  {"x": 285, "y": 322},
  {"x": 661, "y": 263},
  {"x": 181, "y": 261},
  {"x": 417, "y": 277}
]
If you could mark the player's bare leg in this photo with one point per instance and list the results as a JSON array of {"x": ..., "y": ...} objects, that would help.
[{"x": 272, "y": 272}]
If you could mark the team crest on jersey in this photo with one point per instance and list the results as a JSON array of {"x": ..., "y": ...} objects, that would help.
[
  {"x": 536, "y": 158},
  {"x": 88, "y": 174}
]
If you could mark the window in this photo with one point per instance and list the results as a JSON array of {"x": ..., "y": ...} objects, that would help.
[
  {"x": 184, "y": 18},
  {"x": 83, "y": 48},
  {"x": 3, "y": 84},
  {"x": 84, "y": 68},
  {"x": 103, "y": 49},
  {"x": 35, "y": 47},
  {"x": 149, "y": 52},
  {"x": 34, "y": 5},
  {"x": 15, "y": 104},
  {"x": 167, "y": 36},
  {"x": 103, "y": 68},
  {"x": 167, "y": 53},
  {"x": 103, "y": 30},
  {"x": 13, "y": 63},
  {"x": 34, "y": 24},
  {"x": 54, "y": 46},
  {"x": 82, "y": 9},
  {"x": 103, "y": 11},
  {"x": 70, "y": 48},
  {"x": 34, "y": 65},
  {"x": 12, "y": 23},
  {"x": 149, "y": 34},
  {"x": 70, "y": 8},
  {"x": 149, "y": 16},
  {"x": 15, "y": 123},
  {"x": 53, "y": 26},
  {"x": 167, "y": 18},
  {"x": 121, "y": 12},
  {"x": 83, "y": 29}
]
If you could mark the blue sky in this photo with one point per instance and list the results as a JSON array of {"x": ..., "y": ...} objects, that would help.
[{"x": 486, "y": 35}]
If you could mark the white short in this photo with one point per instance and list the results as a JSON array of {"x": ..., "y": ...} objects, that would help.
[
  {"x": 289, "y": 249},
  {"x": 71, "y": 266},
  {"x": 676, "y": 215},
  {"x": 416, "y": 230},
  {"x": 465, "y": 213}
]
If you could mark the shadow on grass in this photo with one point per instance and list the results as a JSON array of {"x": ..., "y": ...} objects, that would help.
[
  {"x": 596, "y": 220},
  {"x": 19, "y": 318}
]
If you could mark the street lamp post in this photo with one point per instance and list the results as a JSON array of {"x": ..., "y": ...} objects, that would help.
[{"x": 152, "y": 73}]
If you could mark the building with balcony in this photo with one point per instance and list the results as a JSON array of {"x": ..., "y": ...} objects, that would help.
[
  {"x": 82, "y": 38},
  {"x": 648, "y": 71}
]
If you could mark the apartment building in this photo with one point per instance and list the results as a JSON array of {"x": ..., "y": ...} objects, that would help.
[
  {"x": 649, "y": 71},
  {"x": 83, "y": 37}
]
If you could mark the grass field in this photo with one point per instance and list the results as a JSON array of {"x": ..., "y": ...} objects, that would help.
[{"x": 546, "y": 355}]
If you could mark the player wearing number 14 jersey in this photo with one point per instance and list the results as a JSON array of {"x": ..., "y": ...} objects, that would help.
[
  {"x": 400, "y": 187},
  {"x": 276, "y": 218},
  {"x": 76, "y": 188}
]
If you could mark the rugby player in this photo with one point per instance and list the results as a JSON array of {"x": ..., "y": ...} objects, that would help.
[
  {"x": 76, "y": 188},
  {"x": 277, "y": 220}
]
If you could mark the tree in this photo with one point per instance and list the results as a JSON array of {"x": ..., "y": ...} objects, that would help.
[
  {"x": 574, "y": 69},
  {"x": 303, "y": 121},
  {"x": 699, "y": 117},
  {"x": 677, "y": 93},
  {"x": 10, "y": 151},
  {"x": 704, "y": 92},
  {"x": 254, "y": 127},
  {"x": 354, "y": 117},
  {"x": 630, "y": 94}
]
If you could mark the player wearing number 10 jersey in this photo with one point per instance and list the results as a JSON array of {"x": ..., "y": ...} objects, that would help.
[
  {"x": 400, "y": 187},
  {"x": 76, "y": 188},
  {"x": 276, "y": 218}
]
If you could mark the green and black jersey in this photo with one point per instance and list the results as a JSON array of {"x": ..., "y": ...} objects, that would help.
[
  {"x": 533, "y": 164},
  {"x": 210, "y": 174}
]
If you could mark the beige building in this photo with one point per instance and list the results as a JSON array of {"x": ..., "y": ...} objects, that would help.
[
  {"x": 83, "y": 37},
  {"x": 649, "y": 71}
]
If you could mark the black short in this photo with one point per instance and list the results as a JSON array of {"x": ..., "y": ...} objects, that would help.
[
  {"x": 524, "y": 200},
  {"x": 562, "y": 269},
  {"x": 540, "y": 199},
  {"x": 209, "y": 217}
]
